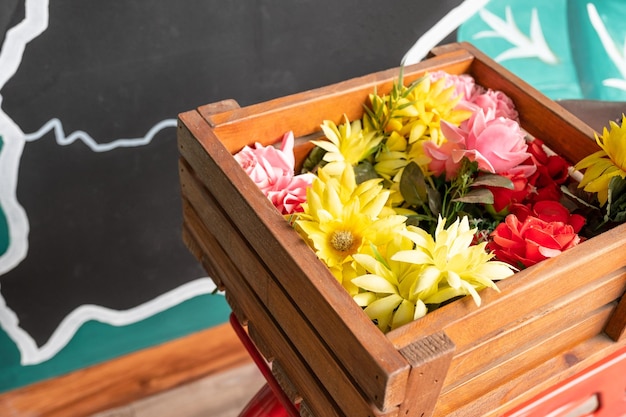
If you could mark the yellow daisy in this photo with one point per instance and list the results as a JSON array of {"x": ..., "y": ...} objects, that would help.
[
  {"x": 386, "y": 290},
  {"x": 348, "y": 143},
  {"x": 607, "y": 163},
  {"x": 451, "y": 265},
  {"x": 340, "y": 217}
]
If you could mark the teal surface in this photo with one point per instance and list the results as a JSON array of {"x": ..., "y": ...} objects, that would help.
[
  {"x": 4, "y": 228},
  {"x": 583, "y": 61},
  {"x": 96, "y": 342}
]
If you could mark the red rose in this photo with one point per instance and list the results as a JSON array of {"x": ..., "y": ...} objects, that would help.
[
  {"x": 552, "y": 168},
  {"x": 548, "y": 211},
  {"x": 504, "y": 197},
  {"x": 525, "y": 243}
]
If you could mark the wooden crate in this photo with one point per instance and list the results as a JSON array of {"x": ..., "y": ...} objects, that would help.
[{"x": 547, "y": 323}]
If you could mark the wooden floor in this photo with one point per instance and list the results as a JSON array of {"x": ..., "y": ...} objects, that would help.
[{"x": 221, "y": 395}]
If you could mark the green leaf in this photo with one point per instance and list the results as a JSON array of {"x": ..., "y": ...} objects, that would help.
[
  {"x": 493, "y": 180},
  {"x": 364, "y": 171},
  {"x": 477, "y": 196},
  {"x": 313, "y": 159},
  {"x": 616, "y": 203},
  {"x": 434, "y": 201},
  {"x": 413, "y": 185}
]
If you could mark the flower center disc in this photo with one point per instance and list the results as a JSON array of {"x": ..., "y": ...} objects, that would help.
[{"x": 342, "y": 240}]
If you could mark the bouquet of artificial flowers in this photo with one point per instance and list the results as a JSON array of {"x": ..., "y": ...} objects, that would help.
[{"x": 436, "y": 193}]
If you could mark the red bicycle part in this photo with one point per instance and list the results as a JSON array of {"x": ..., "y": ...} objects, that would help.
[
  {"x": 264, "y": 404},
  {"x": 601, "y": 387},
  {"x": 271, "y": 400}
]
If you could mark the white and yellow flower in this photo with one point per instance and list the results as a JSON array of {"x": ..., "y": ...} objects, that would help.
[
  {"x": 607, "y": 163},
  {"x": 341, "y": 218},
  {"x": 347, "y": 143}
]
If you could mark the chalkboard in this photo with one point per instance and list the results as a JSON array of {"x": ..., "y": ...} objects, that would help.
[{"x": 91, "y": 260}]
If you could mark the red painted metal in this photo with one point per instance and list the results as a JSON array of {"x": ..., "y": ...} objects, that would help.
[
  {"x": 271, "y": 400},
  {"x": 599, "y": 391},
  {"x": 264, "y": 404}
]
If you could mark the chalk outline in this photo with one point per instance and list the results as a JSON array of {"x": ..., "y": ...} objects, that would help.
[
  {"x": 431, "y": 38},
  {"x": 532, "y": 46},
  {"x": 608, "y": 43},
  {"x": 36, "y": 22}
]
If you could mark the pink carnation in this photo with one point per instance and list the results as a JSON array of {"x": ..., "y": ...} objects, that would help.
[
  {"x": 441, "y": 158},
  {"x": 497, "y": 145},
  {"x": 464, "y": 84},
  {"x": 496, "y": 103},
  {"x": 272, "y": 170}
]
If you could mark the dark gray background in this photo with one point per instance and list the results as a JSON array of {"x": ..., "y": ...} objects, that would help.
[{"x": 105, "y": 227}]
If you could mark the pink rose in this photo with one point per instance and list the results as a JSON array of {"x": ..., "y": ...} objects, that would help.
[
  {"x": 496, "y": 103},
  {"x": 464, "y": 84},
  {"x": 272, "y": 170},
  {"x": 441, "y": 158},
  {"x": 526, "y": 243},
  {"x": 498, "y": 145}
]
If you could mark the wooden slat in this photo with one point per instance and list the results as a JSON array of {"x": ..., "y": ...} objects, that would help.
[
  {"x": 430, "y": 359},
  {"x": 130, "y": 377},
  {"x": 306, "y": 343},
  {"x": 536, "y": 380},
  {"x": 273, "y": 336},
  {"x": 616, "y": 326},
  {"x": 487, "y": 387},
  {"x": 267, "y": 122},
  {"x": 524, "y": 332},
  {"x": 380, "y": 370}
]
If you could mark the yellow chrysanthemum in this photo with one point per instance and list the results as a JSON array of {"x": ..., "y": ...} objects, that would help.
[
  {"x": 386, "y": 291},
  {"x": 607, "y": 163},
  {"x": 451, "y": 265},
  {"x": 341, "y": 217},
  {"x": 392, "y": 157},
  {"x": 348, "y": 143},
  {"x": 418, "y": 112}
]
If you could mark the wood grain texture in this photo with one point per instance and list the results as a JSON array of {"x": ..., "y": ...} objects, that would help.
[
  {"x": 616, "y": 326},
  {"x": 246, "y": 284},
  {"x": 224, "y": 394},
  {"x": 269, "y": 237},
  {"x": 129, "y": 378},
  {"x": 430, "y": 359}
]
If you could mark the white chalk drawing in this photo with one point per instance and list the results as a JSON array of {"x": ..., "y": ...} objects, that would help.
[
  {"x": 615, "y": 55},
  {"x": 31, "y": 354},
  {"x": 533, "y": 46},
  {"x": 34, "y": 24},
  {"x": 445, "y": 26},
  {"x": 57, "y": 126}
]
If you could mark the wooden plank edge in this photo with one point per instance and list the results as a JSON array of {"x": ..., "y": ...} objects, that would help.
[
  {"x": 262, "y": 326},
  {"x": 128, "y": 378},
  {"x": 491, "y": 388},
  {"x": 535, "y": 328},
  {"x": 308, "y": 345},
  {"x": 566, "y": 365},
  {"x": 430, "y": 359},
  {"x": 616, "y": 326},
  {"x": 210, "y": 162}
]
